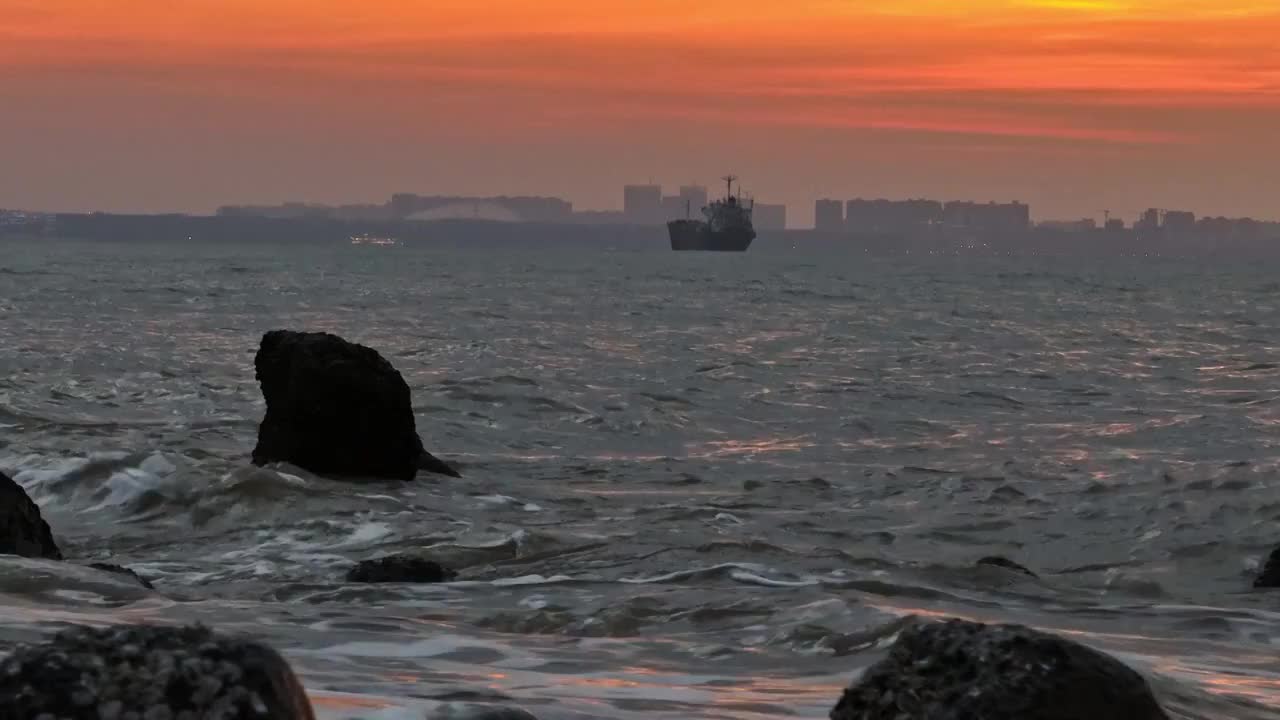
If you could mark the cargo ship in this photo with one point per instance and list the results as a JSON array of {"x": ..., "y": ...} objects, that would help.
[{"x": 727, "y": 227}]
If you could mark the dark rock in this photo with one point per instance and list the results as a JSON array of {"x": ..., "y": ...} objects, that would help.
[
  {"x": 400, "y": 569},
  {"x": 1270, "y": 575},
  {"x": 22, "y": 530},
  {"x": 1007, "y": 564},
  {"x": 961, "y": 670},
  {"x": 121, "y": 570},
  {"x": 336, "y": 408},
  {"x": 473, "y": 711},
  {"x": 149, "y": 672}
]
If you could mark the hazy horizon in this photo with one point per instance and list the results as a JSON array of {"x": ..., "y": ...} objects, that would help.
[{"x": 1072, "y": 106}]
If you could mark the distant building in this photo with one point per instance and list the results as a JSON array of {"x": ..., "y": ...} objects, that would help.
[
  {"x": 522, "y": 209},
  {"x": 363, "y": 212},
  {"x": 599, "y": 217},
  {"x": 642, "y": 204},
  {"x": 1150, "y": 220},
  {"x": 987, "y": 216},
  {"x": 1115, "y": 224},
  {"x": 470, "y": 209},
  {"x": 405, "y": 204},
  {"x": 289, "y": 210},
  {"x": 769, "y": 217},
  {"x": 890, "y": 215},
  {"x": 1222, "y": 228},
  {"x": 695, "y": 196},
  {"x": 1178, "y": 222},
  {"x": 1082, "y": 225},
  {"x": 538, "y": 209},
  {"x": 828, "y": 216}
]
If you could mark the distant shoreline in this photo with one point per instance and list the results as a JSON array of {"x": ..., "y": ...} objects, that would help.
[{"x": 221, "y": 230}]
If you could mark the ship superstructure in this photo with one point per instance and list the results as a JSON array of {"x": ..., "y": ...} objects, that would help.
[{"x": 726, "y": 227}]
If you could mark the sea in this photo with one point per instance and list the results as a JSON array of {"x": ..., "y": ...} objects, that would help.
[{"x": 694, "y": 485}]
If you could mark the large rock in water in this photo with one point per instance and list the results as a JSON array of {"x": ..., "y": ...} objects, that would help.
[
  {"x": 123, "y": 572},
  {"x": 22, "y": 530},
  {"x": 960, "y": 670},
  {"x": 1270, "y": 575},
  {"x": 400, "y": 569},
  {"x": 149, "y": 672},
  {"x": 338, "y": 409}
]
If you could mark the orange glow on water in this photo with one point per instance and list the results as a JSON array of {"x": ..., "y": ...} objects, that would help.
[{"x": 328, "y": 701}]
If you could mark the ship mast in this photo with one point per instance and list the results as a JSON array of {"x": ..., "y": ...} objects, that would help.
[{"x": 729, "y": 185}]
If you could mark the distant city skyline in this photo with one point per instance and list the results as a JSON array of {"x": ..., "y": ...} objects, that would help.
[
  {"x": 800, "y": 211},
  {"x": 1071, "y": 107},
  {"x": 879, "y": 226},
  {"x": 650, "y": 204}
]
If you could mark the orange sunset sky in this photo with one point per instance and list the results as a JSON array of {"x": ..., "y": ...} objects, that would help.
[{"x": 1071, "y": 105}]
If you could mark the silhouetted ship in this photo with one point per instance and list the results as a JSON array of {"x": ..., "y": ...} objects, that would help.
[{"x": 727, "y": 227}]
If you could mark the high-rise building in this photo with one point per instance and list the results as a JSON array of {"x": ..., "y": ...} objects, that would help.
[
  {"x": 987, "y": 216},
  {"x": 767, "y": 216},
  {"x": 1150, "y": 220},
  {"x": 1179, "y": 222},
  {"x": 890, "y": 215},
  {"x": 1070, "y": 226},
  {"x": 695, "y": 196},
  {"x": 828, "y": 216},
  {"x": 642, "y": 204}
]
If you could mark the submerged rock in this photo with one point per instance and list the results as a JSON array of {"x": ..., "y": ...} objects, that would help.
[
  {"x": 42, "y": 581},
  {"x": 1270, "y": 575},
  {"x": 1007, "y": 564},
  {"x": 337, "y": 408},
  {"x": 474, "y": 711},
  {"x": 149, "y": 672},
  {"x": 960, "y": 670},
  {"x": 121, "y": 570},
  {"x": 400, "y": 569},
  {"x": 22, "y": 530}
]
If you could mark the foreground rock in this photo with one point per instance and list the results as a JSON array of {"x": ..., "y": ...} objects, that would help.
[
  {"x": 1270, "y": 575},
  {"x": 1006, "y": 563},
  {"x": 149, "y": 672},
  {"x": 474, "y": 711},
  {"x": 22, "y": 530},
  {"x": 126, "y": 572},
  {"x": 337, "y": 408},
  {"x": 959, "y": 670},
  {"x": 400, "y": 569}
]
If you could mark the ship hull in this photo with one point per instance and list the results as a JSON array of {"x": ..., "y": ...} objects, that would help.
[{"x": 695, "y": 235}]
